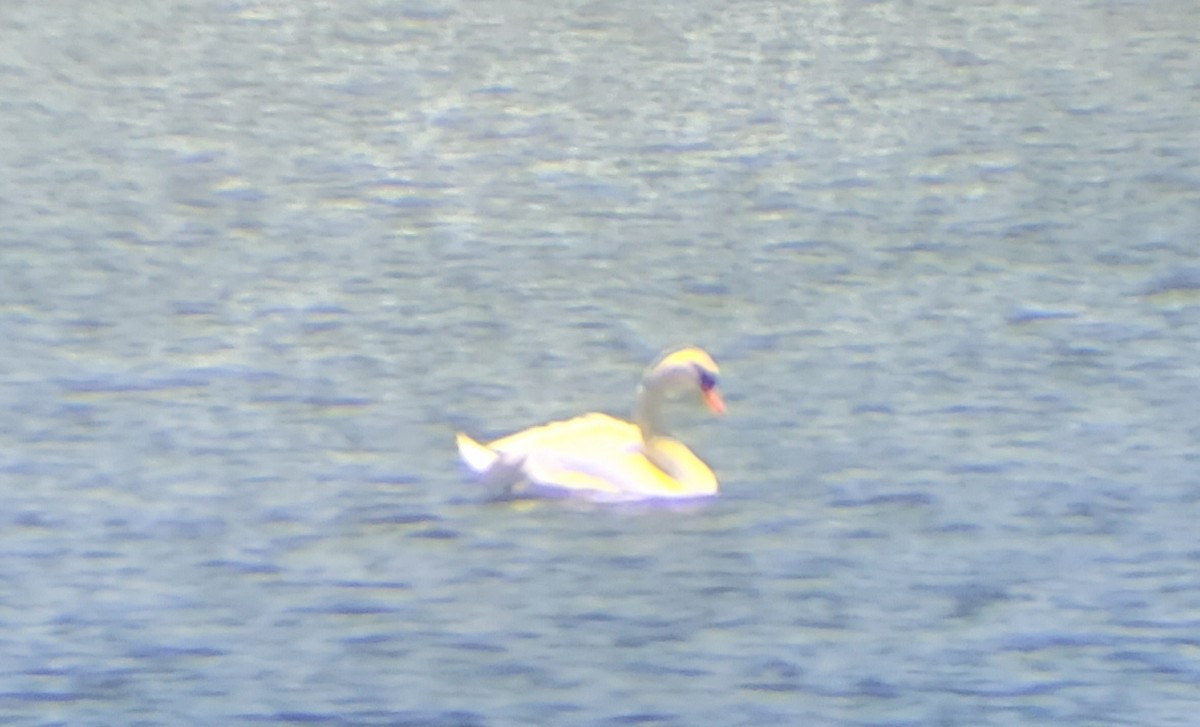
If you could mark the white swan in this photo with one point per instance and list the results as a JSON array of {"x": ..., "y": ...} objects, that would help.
[{"x": 602, "y": 458}]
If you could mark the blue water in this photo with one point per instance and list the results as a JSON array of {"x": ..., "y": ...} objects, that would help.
[{"x": 260, "y": 261}]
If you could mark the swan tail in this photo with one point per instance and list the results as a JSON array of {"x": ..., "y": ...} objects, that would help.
[
  {"x": 493, "y": 468},
  {"x": 477, "y": 457}
]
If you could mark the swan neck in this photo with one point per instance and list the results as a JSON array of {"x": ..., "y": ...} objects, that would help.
[{"x": 647, "y": 413}]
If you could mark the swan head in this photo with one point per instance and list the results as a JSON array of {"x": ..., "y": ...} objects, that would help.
[{"x": 684, "y": 368}]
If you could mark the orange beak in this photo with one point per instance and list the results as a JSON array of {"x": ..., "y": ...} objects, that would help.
[{"x": 715, "y": 403}]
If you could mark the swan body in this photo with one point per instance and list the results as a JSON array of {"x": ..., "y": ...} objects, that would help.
[{"x": 602, "y": 458}]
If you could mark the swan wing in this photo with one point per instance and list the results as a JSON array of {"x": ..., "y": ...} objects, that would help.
[{"x": 590, "y": 433}]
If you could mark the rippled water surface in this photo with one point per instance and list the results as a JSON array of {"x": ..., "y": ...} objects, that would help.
[{"x": 262, "y": 259}]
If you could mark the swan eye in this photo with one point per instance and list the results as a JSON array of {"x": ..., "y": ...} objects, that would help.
[{"x": 707, "y": 381}]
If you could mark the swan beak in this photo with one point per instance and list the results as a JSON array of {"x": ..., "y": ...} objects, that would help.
[{"x": 715, "y": 403}]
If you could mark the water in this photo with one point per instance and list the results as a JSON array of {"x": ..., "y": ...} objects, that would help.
[{"x": 261, "y": 260}]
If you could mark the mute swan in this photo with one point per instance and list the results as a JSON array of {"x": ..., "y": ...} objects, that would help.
[{"x": 601, "y": 458}]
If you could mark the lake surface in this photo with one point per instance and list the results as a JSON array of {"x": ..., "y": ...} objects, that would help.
[{"x": 261, "y": 260}]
